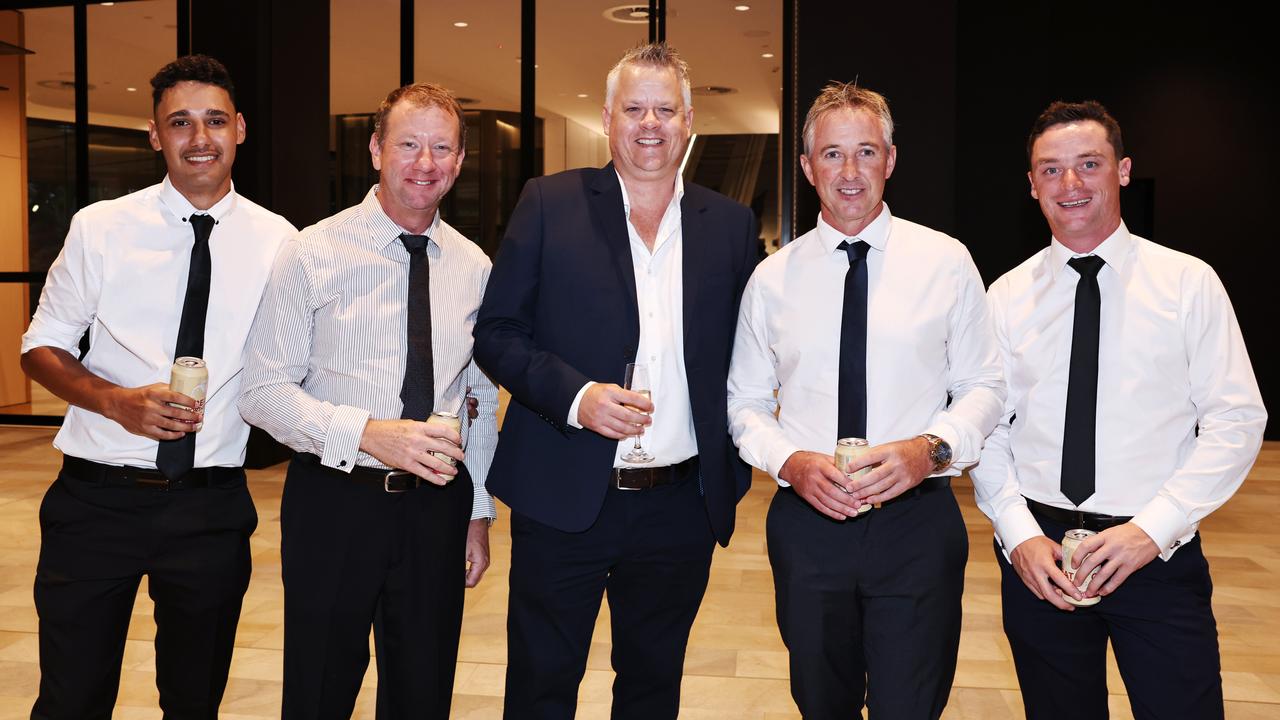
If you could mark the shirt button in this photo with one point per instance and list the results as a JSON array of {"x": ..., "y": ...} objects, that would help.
[{"x": 653, "y": 357}]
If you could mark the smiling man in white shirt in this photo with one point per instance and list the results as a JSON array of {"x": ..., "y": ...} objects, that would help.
[
  {"x": 1133, "y": 412},
  {"x": 868, "y": 326},
  {"x": 174, "y": 269}
]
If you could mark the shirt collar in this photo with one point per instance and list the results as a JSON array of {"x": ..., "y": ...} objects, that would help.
[
  {"x": 181, "y": 208},
  {"x": 383, "y": 230},
  {"x": 1114, "y": 251},
  {"x": 626, "y": 199},
  {"x": 876, "y": 234}
]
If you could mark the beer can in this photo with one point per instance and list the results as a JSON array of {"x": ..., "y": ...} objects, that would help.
[
  {"x": 1070, "y": 541},
  {"x": 846, "y": 450},
  {"x": 447, "y": 419},
  {"x": 190, "y": 376}
]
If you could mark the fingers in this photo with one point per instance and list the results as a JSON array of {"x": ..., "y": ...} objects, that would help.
[
  {"x": 441, "y": 431},
  {"x": 828, "y": 499},
  {"x": 478, "y": 562}
]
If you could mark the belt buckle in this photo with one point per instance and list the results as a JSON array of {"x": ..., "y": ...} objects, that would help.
[
  {"x": 386, "y": 480},
  {"x": 617, "y": 480},
  {"x": 157, "y": 483}
]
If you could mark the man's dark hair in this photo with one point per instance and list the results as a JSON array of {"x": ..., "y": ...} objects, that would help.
[
  {"x": 1061, "y": 113},
  {"x": 191, "y": 68}
]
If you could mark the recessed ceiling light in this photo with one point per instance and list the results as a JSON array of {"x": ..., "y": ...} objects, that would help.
[
  {"x": 131, "y": 89},
  {"x": 106, "y": 4},
  {"x": 582, "y": 95},
  {"x": 766, "y": 55},
  {"x": 460, "y": 24},
  {"x": 742, "y": 8}
]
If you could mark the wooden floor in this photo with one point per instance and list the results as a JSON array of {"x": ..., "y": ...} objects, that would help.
[{"x": 736, "y": 666}]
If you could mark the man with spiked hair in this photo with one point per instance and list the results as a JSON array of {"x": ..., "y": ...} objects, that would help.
[
  {"x": 600, "y": 269},
  {"x": 363, "y": 334},
  {"x": 1133, "y": 413},
  {"x": 869, "y": 327},
  {"x": 173, "y": 270}
]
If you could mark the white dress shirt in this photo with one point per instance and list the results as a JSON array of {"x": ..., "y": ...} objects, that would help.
[
  {"x": 328, "y": 350},
  {"x": 660, "y": 299},
  {"x": 122, "y": 273},
  {"x": 1171, "y": 358},
  {"x": 928, "y": 336}
]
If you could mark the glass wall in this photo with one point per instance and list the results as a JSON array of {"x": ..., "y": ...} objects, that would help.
[{"x": 127, "y": 43}]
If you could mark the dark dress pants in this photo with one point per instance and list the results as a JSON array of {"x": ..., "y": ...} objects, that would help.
[
  {"x": 1161, "y": 626},
  {"x": 97, "y": 541},
  {"x": 650, "y": 552},
  {"x": 352, "y": 556},
  {"x": 869, "y": 607}
]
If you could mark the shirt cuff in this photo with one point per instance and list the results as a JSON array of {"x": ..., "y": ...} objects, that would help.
[
  {"x": 1164, "y": 524},
  {"x": 482, "y": 507},
  {"x": 777, "y": 457},
  {"x": 1016, "y": 526},
  {"x": 572, "y": 420},
  {"x": 342, "y": 438}
]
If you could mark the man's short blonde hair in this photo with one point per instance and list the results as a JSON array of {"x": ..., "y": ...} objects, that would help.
[
  {"x": 654, "y": 55},
  {"x": 836, "y": 96}
]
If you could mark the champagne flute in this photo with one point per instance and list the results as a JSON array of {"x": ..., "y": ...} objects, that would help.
[{"x": 637, "y": 381}]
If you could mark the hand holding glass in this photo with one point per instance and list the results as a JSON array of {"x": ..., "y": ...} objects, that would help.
[{"x": 637, "y": 381}]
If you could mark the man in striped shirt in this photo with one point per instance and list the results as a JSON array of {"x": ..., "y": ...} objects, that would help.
[{"x": 365, "y": 327}]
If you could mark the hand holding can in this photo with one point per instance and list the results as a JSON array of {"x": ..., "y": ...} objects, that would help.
[
  {"x": 847, "y": 450},
  {"x": 1070, "y": 541},
  {"x": 190, "y": 376}
]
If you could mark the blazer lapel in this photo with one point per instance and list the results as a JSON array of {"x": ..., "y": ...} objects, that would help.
[
  {"x": 610, "y": 221},
  {"x": 694, "y": 241}
]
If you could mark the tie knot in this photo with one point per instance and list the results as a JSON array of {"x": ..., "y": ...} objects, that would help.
[
  {"x": 1087, "y": 266},
  {"x": 856, "y": 250},
  {"x": 202, "y": 225},
  {"x": 414, "y": 243}
]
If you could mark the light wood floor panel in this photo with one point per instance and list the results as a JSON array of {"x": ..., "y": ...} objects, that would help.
[{"x": 736, "y": 665}]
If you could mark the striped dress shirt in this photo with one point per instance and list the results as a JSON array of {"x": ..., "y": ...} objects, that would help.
[{"x": 327, "y": 349}]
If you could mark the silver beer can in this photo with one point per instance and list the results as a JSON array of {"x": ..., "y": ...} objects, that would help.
[
  {"x": 847, "y": 449},
  {"x": 190, "y": 376},
  {"x": 1070, "y": 541}
]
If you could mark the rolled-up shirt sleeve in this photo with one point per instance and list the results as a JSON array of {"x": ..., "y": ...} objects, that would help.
[{"x": 69, "y": 300}]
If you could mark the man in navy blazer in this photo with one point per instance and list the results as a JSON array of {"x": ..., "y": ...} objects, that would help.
[{"x": 600, "y": 268}]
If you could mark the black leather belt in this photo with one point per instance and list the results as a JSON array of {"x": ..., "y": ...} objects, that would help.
[
  {"x": 643, "y": 478},
  {"x": 392, "y": 481},
  {"x": 1075, "y": 519},
  {"x": 927, "y": 485},
  {"x": 125, "y": 476}
]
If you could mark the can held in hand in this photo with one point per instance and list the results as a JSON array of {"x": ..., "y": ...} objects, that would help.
[
  {"x": 846, "y": 450},
  {"x": 190, "y": 376},
  {"x": 1070, "y": 542},
  {"x": 447, "y": 419}
]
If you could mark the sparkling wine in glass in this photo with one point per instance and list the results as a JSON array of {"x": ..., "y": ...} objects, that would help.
[{"x": 637, "y": 380}]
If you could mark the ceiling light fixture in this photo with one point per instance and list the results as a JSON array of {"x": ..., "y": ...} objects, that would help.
[
  {"x": 766, "y": 55},
  {"x": 460, "y": 24},
  {"x": 129, "y": 89},
  {"x": 582, "y": 95},
  {"x": 742, "y": 8}
]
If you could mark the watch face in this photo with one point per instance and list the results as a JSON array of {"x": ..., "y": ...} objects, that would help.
[{"x": 942, "y": 453}]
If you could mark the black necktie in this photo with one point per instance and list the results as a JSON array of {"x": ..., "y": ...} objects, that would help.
[
  {"x": 419, "y": 389},
  {"x": 852, "y": 417},
  {"x": 1079, "y": 437},
  {"x": 175, "y": 458}
]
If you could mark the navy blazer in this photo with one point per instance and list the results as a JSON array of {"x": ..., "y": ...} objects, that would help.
[{"x": 560, "y": 311}]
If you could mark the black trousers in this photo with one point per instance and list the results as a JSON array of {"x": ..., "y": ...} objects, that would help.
[
  {"x": 869, "y": 608},
  {"x": 353, "y": 555},
  {"x": 650, "y": 551},
  {"x": 1161, "y": 626},
  {"x": 97, "y": 541}
]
